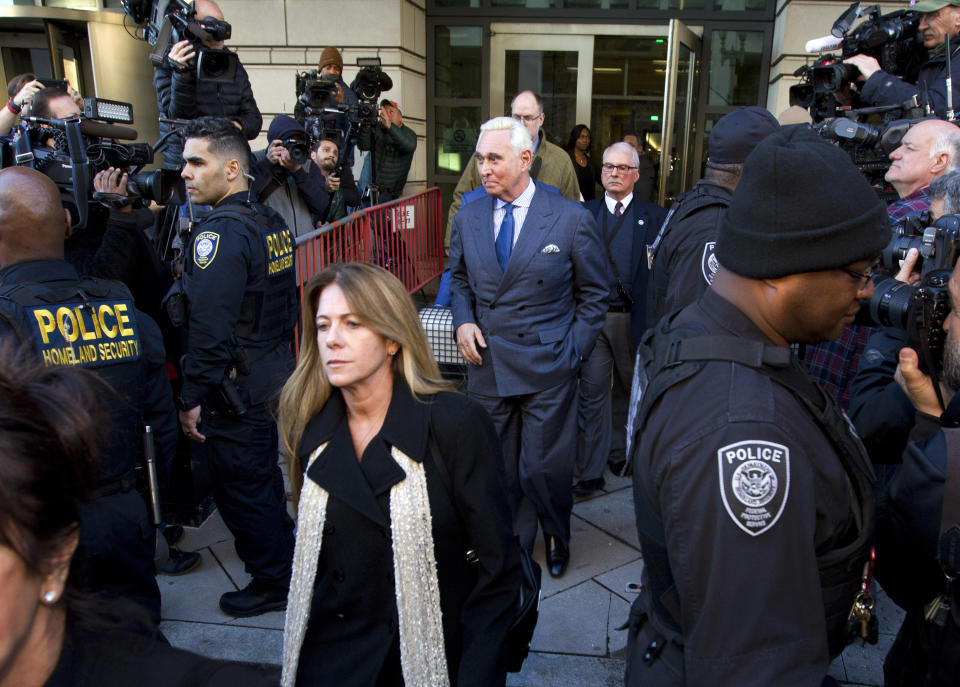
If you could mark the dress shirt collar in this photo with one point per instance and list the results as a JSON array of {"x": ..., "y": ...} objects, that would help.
[
  {"x": 521, "y": 201},
  {"x": 612, "y": 202}
]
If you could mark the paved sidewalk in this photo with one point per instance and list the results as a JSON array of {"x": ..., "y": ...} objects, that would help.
[{"x": 576, "y": 643}]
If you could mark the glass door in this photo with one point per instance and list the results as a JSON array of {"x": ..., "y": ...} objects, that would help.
[
  {"x": 558, "y": 67},
  {"x": 678, "y": 162}
]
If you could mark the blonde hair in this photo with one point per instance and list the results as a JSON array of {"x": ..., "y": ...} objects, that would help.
[{"x": 382, "y": 304}]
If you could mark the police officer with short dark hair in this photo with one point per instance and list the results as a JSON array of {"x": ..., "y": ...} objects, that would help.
[
  {"x": 752, "y": 493},
  {"x": 684, "y": 262},
  {"x": 90, "y": 323},
  {"x": 238, "y": 275}
]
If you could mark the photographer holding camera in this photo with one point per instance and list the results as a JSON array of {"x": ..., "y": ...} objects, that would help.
[
  {"x": 287, "y": 180},
  {"x": 918, "y": 526},
  {"x": 113, "y": 244},
  {"x": 391, "y": 147},
  {"x": 181, "y": 94},
  {"x": 939, "y": 19}
]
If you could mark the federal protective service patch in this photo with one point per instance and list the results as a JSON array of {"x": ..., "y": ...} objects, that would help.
[
  {"x": 709, "y": 262},
  {"x": 205, "y": 248},
  {"x": 754, "y": 483}
]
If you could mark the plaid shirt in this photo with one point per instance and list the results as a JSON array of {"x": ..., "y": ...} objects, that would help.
[
  {"x": 834, "y": 363},
  {"x": 916, "y": 202}
]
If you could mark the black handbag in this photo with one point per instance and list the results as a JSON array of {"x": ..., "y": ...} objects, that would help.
[{"x": 528, "y": 599}]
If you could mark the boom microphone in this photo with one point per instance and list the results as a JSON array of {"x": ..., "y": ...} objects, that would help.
[
  {"x": 824, "y": 43},
  {"x": 89, "y": 127}
]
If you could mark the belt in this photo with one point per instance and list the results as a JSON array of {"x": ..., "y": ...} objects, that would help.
[
  {"x": 117, "y": 486},
  {"x": 618, "y": 308}
]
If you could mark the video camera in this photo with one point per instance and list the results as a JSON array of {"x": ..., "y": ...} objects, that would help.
[
  {"x": 320, "y": 115},
  {"x": 891, "y": 38},
  {"x": 163, "y": 23},
  {"x": 920, "y": 310},
  {"x": 868, "y": 146},
  {"x": 72, "y": 151}
]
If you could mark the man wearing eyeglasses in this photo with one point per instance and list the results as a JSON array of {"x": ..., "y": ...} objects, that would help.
[
  {"x": 752, "y": 492},
  {"x": 551, "y": 165},
  {"x": 627, "y": 223}
]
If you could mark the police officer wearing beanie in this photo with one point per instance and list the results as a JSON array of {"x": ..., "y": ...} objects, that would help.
[
  {"x": 752, "y": 494},
  {"x": 66, "y": 320},
  {"x": 238, "y": 275},
  {"x": 684, "y": 262}
]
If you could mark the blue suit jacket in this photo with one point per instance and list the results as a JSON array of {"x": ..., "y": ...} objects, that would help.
[
  {"x": 541, "y": 317},
  {"x": 645, "y": 219}
]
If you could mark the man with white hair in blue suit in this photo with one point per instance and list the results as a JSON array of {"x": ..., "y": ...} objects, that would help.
[{"x": 528, "y": 296}]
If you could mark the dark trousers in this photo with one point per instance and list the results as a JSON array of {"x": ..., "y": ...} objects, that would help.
[
  {"x": 923, "y": 655},
  {"x": 601, "y": 433},
  {"x": 116, "y": 549},
  {"x": 538, "y": 433},
  {"x": 248, "y": 488}
]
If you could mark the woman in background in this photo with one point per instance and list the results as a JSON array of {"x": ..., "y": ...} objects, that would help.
[
  {"x": 579, "y": 149},
  {"x": 405, "y": 570}
]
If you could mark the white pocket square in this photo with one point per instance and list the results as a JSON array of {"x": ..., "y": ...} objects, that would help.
[{"x": 551, "y": 248}]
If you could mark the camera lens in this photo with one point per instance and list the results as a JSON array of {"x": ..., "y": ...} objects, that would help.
[
  {"x": 890, "y": 304},
  {"x": 896, "y": 250}
]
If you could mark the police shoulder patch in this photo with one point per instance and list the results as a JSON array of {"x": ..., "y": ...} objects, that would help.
[
  {"x": 205, "y": 248},
  {"x": 754, "y": 483},
  {"x": 708, "y": 262}
]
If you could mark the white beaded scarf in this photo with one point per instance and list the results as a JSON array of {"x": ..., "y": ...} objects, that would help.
[{"x": 422, "y": 655}]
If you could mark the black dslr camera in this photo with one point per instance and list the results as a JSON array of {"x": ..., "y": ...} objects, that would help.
[
  {"x": 72, "y": 151},
  {"x": 919, "y": 310},
  {"x": 165, "y": 22}
]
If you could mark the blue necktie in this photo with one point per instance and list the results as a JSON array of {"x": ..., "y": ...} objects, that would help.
[{"x": 504, "y": 243}]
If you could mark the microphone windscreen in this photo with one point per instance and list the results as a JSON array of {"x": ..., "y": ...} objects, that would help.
[{"x": 823, "y": 43}]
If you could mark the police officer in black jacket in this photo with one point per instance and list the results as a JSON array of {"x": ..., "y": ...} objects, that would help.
[
  {"x": 90, "y": 323},
  {"x": 181, "y": 95},
  {"x": 684, "y": 262},
  {"x": 753, "y": 496},
  {"x": 238, "y": 274}
]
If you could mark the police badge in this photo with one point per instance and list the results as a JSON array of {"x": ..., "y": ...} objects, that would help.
[
  {"x": 754, "y": 483},
  {"x": 205, "y": 248},
  {"x": 709, "y": 263}
]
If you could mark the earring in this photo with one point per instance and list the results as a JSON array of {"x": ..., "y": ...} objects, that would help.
[{"x": 49, "y": 596}]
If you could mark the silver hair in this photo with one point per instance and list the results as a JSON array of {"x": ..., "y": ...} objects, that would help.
[
  {"x": 947, "y": 141},
  {"x": 625, "y": 147},
  {"x": 519, "y": 136},
  {"x": 947, "y": 187}
]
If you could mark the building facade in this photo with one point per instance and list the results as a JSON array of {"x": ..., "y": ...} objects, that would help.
[{"x": 664, "y": 69}]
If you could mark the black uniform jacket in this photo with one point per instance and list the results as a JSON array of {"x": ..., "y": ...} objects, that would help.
[
  {"x": 749, "y": 490},
  {"x": 353, "y": 626},
  {"x": 685, "y": 263},
  {"x": 216, "y": 293}
]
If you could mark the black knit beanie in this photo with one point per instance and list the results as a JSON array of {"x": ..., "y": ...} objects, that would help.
[{"x": 801, "y": 206}]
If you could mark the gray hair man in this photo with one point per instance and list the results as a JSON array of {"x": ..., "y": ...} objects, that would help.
[{"x": 528, "y": 295}]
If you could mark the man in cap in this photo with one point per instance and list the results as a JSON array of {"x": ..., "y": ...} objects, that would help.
[
  {"x": 939, "y": 20},
  {"x": 286, "y": 178},
  {"x": 752, "y": 493},
  {"x": 330, "y": 67},
  {"x": 684, "y": 263},
  {"x": 551, "y": 164}
]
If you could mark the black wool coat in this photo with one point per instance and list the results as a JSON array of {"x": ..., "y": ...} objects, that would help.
[{"x": 352, "y": 636}]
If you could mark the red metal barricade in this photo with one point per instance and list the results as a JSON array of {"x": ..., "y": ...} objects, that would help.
[{"x": 404, "y": 236}]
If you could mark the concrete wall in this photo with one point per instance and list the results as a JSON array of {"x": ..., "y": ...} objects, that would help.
[
  {"x": 798, "y": 21},
  {"x": 278, "y": 38}
]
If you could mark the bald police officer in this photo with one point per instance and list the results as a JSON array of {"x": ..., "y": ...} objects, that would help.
[
  {"x": 752, "y": 493},
  {"x": 90, "y": 323},
  {"x": 238, "y": 274}
]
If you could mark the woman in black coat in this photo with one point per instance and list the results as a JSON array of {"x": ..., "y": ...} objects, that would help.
[{"x": 406, "y": 570}]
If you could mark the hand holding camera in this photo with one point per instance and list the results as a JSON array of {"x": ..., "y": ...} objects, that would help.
[
  {"x": 918, "y": 386},
  {"x": 182, "y": 54},
  {"x": 279, "y": 154},
  {"x": 333, "y": 183}
]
